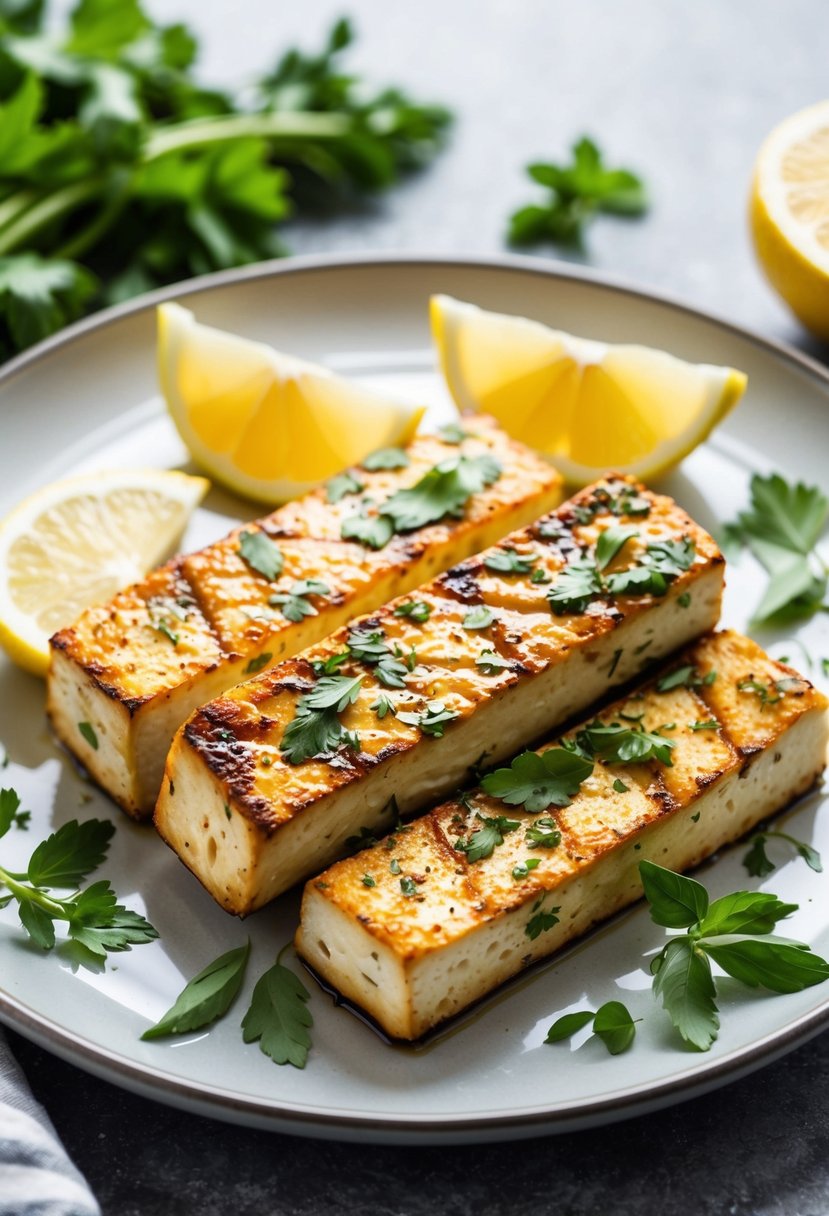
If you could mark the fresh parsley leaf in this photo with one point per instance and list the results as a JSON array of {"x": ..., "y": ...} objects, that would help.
[
  {"x": 432, "y": 720},
  {"x": 261, "y": 554},
  {"x": 575, "y": 587},
  {"x": 568, "y": 1025},
  {"x": 753, "y": 912},
  {"x": 491, "y": 663},
  {"x": 315, "y": 729},
  {"x": 543, "y": 834},
  {"x": 578, "y": 191},
  {"x": 333, "y": 692},
  {"x": 336, "y": 488},
  {"x": 686, "y": 676},
  {"x": 163, "y": 626},
  {"x": 758, "y": 864},
  {"x": 368, "y": 645},
  {"x": 782, "y": 527},
  {"x": 676, "y": 901},
  {"x": 453, "y": 433},
  {"x": 683, "y": 982},
  {"x": 386, "y": 458},
  {"x": 706, "y": 724},
  {"x": 768, "y": 962},
  {"x": 66, "y": 857},
  {"x": 40, "y": 295},
  {"x": 87, "y": 730},
  {"x": 541, "y": 920},
  {"x": 507, "y": 561},
  {"x": 483, "y": 842},
  {"x": 618, "y": 744},
  {"x": 9, "y": 810},
  {"x": 416, "y": 610},
  {"x": 479, "y": 617},
  {"x": 206, "y": 997},
  {"x": 538, "y": 780},
  {"x": 255, "y": 665},
  {"x": 614, "y": 1026},
  {"x": 331, "y": 665},
  {"x": 368, "y": 881},
  {"x": 620, "y": 787},
  {"x": 279, "y": 1017},
  {"x": 611, "y": 542},
  {"x": 523, "y": 868},
  {"x": 295, "y": 604},
  {"x": 382, "y": 706},
  {"x": 99, "y": 923},
  {"x": 373, "y": 530},
  {"x": 444, "y": 490}
]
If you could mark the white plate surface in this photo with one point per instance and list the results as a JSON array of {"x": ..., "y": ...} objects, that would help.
[{"x": 89, "y": 400}]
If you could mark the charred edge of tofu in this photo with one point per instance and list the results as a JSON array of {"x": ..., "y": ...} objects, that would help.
[
  {"x": 249, "y": 824},
  {"x": 233, "y": 734},
  {"x": 414, "y": 959},
  {"x": 140, "y": 664}
]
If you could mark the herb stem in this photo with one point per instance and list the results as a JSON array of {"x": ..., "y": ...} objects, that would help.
[
  {"x": 48, "y": 209},
  {"x": 289, "y": 125},
  {"x": 33, "y": 895}
]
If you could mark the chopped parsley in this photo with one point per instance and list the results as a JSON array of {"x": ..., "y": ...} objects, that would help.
[
  {"x": 617, "y": 744},
  {"x": 523, "y": 868},
  {"x": 707, "y": 724},
  {"x": 295, "y": 604},
  {"x": 336, "y": 488},
  {"x": 508, "y": 561},
  {"x": 368, "y": 881},
  {"x": 479, "y": 617},
  {"x": 408, "y": 886},
  {"x": 373, "y": 530},
  {"x": 769, "y": 694},
  {"x": 575, "y": 587},
  {"x": 88, "y": 732},
  {"x": 257, "y": 663},
  {"x": 261, "y": 554},
  {"x": 686, "y": 676},
  {"x": 415, "y": 610},
  {"x": 483, "y": 842},
  {"x": 543, "y": 834},
  {"x": 386, "y": 458},
  {"x": 611, "y": 542},
  {"x": 316, "y": 728},
  {"x": 432, "y": 720},
  {"x": 541, "y": 920},
  {"x": 490, "y": 662},
  {"x": 453, "y": 433}
]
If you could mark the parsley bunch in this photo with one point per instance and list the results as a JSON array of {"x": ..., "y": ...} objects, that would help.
[
  {"x": 736, "y": 933},
  {"x": 93, "y": 918},
  {"x": 781, "y": 527},
  {"x": 118, "y": 167},
  {"x": 578, "y": 192}
]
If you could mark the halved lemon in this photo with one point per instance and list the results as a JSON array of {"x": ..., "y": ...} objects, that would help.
[
  {"x": 265, "y": 424},
  {"x": 76, "y": 542},
  {"x": 589, "y": 406},
  {"x": 790, "y": 214}
]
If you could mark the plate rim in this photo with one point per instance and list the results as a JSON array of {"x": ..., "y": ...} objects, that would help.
[{"x": 313, "y": 1120}]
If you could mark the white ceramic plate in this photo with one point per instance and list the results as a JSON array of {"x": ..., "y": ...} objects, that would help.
[{"x": 88, "y": 400}]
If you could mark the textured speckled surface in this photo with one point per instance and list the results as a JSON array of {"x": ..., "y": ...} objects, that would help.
[{"x": 684, "y": 93}]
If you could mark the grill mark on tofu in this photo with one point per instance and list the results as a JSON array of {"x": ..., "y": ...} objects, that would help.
[
  {"x": 114, "y": 667},
  {"x": 432, "y": 966},
  {"x": 540, "y": 650}
]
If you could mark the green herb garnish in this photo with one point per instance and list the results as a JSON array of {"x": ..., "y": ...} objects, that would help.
[
  {"x": 295, "y": 604},
  {"x": 336, "y": 488},
  {"x": 279, "y": 1017},
  {"x": 507, "y": 561},
  {"x": 578, "y": 192},
  {"x": 758, "y": 863},
  {"x": 483, "y": 842},
  {"x": 612, "y": 1023},
  {"x": 538, "y": 780},
  {"x": 432, "y": 720},
  {"x": 479, "y": 617},
  {"x": 206, "y": 997},
  {"x": 386, "y": 458},
  {"x": 735, "y": 932},
  {"x": 261, "y": 554},
  {"x": 416, "y": 610},
  {"x": 93, "y": 918}
]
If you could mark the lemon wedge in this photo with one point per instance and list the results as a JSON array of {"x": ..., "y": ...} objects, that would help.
[
  {"x": 588, "y": 406},
  {"x": 76, "y": 542},
  {"x": 790, "y": 214},
  {"x": 265, "y": 424}
]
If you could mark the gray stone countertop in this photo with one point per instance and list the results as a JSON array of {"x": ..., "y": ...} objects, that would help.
[{"x": 684, "y": 93}]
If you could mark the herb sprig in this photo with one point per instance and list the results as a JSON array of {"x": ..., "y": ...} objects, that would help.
[
  {"x": 94, "y": 919},
  {"x": 735, "y": 932},
  {"x": 578, "y": 192},
  {"x": 120, "y": 167},
  {"x": 781, "y": 527}
]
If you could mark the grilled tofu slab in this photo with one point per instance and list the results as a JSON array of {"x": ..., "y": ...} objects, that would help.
[
  {"x": 477, "y": 664},
  {"x": 133, "y": 669},
  {"x": 413, "y": 931}
]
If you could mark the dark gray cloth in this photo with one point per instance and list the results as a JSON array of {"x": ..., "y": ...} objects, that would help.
[{"x": 36, "y": 1176}]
